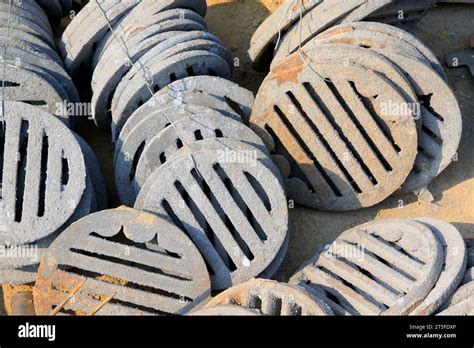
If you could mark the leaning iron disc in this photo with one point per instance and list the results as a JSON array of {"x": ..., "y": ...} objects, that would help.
[
  {"x": 453, "y": 269},
  {"x": 144, "y": 262},
  {"x": 183, "y": 132},
  {"x": 44, "y": 174},
  {"x": 133, "y": 91},
  {"x": 386, "y": 267},
  {"x": 235, "y": 211},
  {"x": 405, "y": 36},
  {"x": 128, "y": 152},
  {"x": 346, "y": 148},
  {"x": 271, "y": 298},
  {"x": 461, "y": 302}
]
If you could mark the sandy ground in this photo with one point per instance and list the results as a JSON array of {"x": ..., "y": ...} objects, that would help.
[{"x": 445, "y": 29}]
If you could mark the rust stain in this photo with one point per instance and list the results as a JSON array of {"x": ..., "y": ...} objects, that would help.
[
  {"x": 288, "y": 70},
  {"x": 339, "y": 31}
]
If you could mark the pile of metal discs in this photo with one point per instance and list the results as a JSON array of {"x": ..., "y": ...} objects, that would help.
[
  {"x": 297, "y": 22},
  {"x": 49, "y": 178},
  {"x": 136, "y": 48},
  {"x": 32, "y": 70},
  {"x": 393, "y": 267},
  {"x": 361, "y": 111}
]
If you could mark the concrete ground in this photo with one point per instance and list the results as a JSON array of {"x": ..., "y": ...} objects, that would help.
[{"x": 445, "y": 29}]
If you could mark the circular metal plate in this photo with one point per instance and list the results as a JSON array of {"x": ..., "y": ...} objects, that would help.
[
  {"x": 271, "y": 298},
  {"x": 461, "y": 302},
  {"x": 191, "y": 124},
  {"x": 144, "y": 262},
  {"x": 235, "y": 211},
  {"x": 386, "y": 267},
  {"x": 346, "y": 147},
  {"x": 185, "y": 131},
  {"x": 453, "y": 269},
  {"x": 133, "y": 91},
  {"x": 44, "y": 174}
]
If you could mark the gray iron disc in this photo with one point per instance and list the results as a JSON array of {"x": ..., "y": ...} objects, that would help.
[
  {"x": 240, "y": 99},
  {"x": 95, "y": 174},
  {"x": 27, "y": 26},
  {"x": 271, "y": 298},
  {"x": 367, "y": 39},
  {"x": 265, "y": 37},
  {"x": 380, "y": 268},
  {"x": 87, "y": 29},
  {"x": 212, "y": 199},
  {"x": 126, "y": 30},
  {"x": 453, "y": 269},
  {"x": 48, "y": 66},
  {"x": 461, "y": 302},
  {"x": 169, "y": 100},
  {"x": 322, "y": 17},
  {"x": 35, "y": 16},
  {"x": 345, "y": 147},
  {"x": 402, "y": 13},
  {"x": 133, "y": 91},
  {"x": 188, "y": 130},
  {"x": 163, "y": 146},
  {"x": 405, "y": 36},
  {"x": 108, "y": 78},
  {"x": 30, "y": 84},
  {"x": 43, "y": 187},
  {"x": 190, "y": 122},
  {"x": 25, "y": 39},
  {"x": 143, "y": 261},
  {"x": 53, "y": 10}
]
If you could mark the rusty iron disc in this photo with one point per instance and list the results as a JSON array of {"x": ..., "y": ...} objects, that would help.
[
  {"x": 379, "y": 268},
  {"x": 144, "y": 262},
  {"x": 234, "y": 209},
  {"x": 461, "y": 302},
  {"x": 345, "y": 147},
  {"x": 271, "y": 298}
]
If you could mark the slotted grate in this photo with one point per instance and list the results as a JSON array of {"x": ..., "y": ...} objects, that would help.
[
  {"x": 453, "y": 269},
  {"x": 333, "y": 124},
  {"x": 235, "y": 211},
  {"x": 168, "y": 142},
  {"x": 401, "y": 12},
  {"x": 225, "y": 311},
  {"x": 133, "y": 91},
  {"x": 44, "y": 175},
  {"x": 385, "y": 267},
  {"x": 270, "y": 298},
  {"x": 144, "y": 262},
  {"x": 441, "y": 128}
]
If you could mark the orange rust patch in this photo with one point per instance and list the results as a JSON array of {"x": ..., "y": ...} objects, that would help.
[
  {"x": 288, "y": 70},
  {"x": 339, "y": 31}
]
